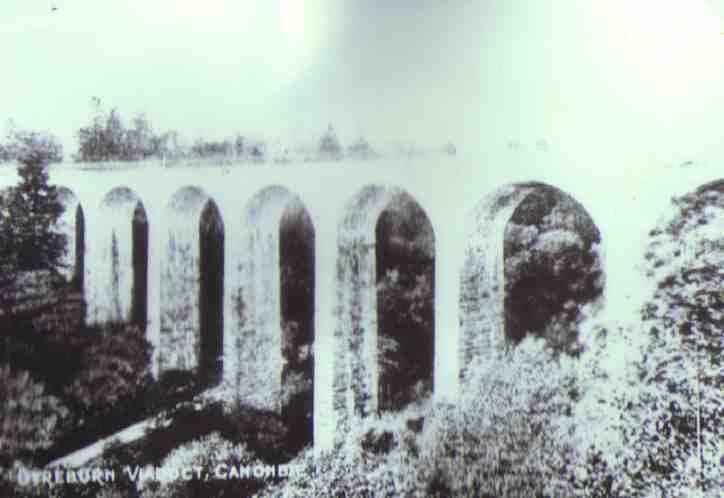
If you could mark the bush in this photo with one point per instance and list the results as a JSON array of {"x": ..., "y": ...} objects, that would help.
[
  {"x": 30, "y": 417},
  {"x": 114, "y": 372},
  {"x": 173, "y": 387},
  {"x": 207, "y": 452},
  {"x": 511, "y": 435}
]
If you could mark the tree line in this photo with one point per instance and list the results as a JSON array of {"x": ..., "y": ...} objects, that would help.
[{"x": 111, "y": 137}]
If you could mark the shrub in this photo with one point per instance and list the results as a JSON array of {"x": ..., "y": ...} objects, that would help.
[
  {"x": 376, "y": 459},
  {"x": 208, "y": 453},
  {"x": 30, "y": 417},
  {"x": 511, "y": 435},
  {"x": 114, "y": 371},
  {"x": 173, "y": 387}
]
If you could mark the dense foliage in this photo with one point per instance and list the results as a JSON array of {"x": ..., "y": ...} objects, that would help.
[
  {"x": 523, "y": 448},
  {"x": 30, "y": 417},
  {"x": 405, "y": 290},
  {"x": 656, "y": 397},
  {"x": 676, "y": 413},
  {"x": 113, "y": 372},
  {"x": 27, "y": 146},
  {"x": 552, "y": 269},
  {"x": 101, "y": 374},
  {"x": 107, "y": 139}
]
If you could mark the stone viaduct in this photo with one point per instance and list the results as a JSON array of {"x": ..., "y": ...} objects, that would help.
[{"x": 468, "y": 204}]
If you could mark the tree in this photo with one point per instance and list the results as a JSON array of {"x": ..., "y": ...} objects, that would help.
[
  {"x": 405, "y": 343},
  {"x": 552, "y": 269},
  {"x": 8, "y": 253},
  {"x": 677, "y": 414},
  {"x": 329, "y": 146},
  {"x": 239, "y": 145},
  {"x": 30, "y": 146},
  {"x": 115, "y": 137},
  {"x": 667, "y": 406},
  {"x": 106, "y": 139},
  {"x": 405, "y": 283},
  {"x": 140, "y": 140},
  {"x": 91, "y": 138},
  {"x": 168, "y": 145},
  {"x": 32, "y": 209}
]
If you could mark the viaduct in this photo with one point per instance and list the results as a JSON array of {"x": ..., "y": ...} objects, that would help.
[{"x": 467, "y": 202}]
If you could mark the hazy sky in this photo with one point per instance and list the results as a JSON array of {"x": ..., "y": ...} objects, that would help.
[{"x": 586, "y": 76}]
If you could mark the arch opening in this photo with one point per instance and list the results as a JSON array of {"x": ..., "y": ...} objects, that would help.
[
  {"x": 78, "y": 279},
  {"x": 296, "y": 258},
  {"x": 211, "y": 294},
  {"x": 533, "y": 267},
  {"x": 552, "y": 268},
  {"x": 405, "y": 267},
  {"x": 71, "y": 223},
  {"x": 276, "y": 309},
  {"x": 191, "y": 337},
  {"x": 139, "y": 293},
  {"x": 120, "y": 284},
  {"x": 381, "y": 275}
]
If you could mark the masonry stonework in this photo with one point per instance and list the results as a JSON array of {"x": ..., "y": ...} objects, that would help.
[
  {"x": 180, "y": 273},
  {"x": 259, "y": 320},
  {"x": 469, "y": 271},
  {"x": 68, "y": 225},
  {"x": 482, "y": 289}
]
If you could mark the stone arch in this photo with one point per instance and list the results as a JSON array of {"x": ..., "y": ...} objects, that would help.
[
  {"x": 120, "y": 278},
  {"x": 263, "y": 302},
  {"x": 714, "y": 187},
  {"x": 357, "y": 371},
  {"x": 192, "y": 285},
  {"x": 483, "y": 278},
  {"x": 72, "y": 224}
]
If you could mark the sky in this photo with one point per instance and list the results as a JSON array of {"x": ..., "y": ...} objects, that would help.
[{"x": 641, "y": 78}]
